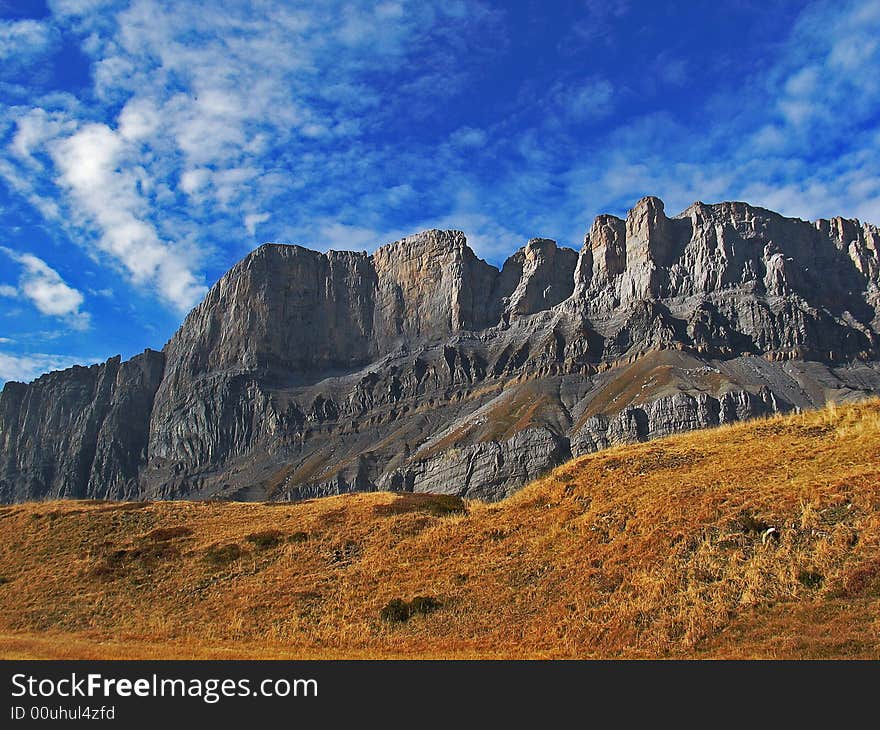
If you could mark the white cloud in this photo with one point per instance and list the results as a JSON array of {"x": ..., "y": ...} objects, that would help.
[
  {"x": 34, "y": 129},
  {"x": 95, "y": 169},
  {"x": 138, "y": 119},
  {"x": 8, "y": 291},
  {"x": 25, "y": 367},
  {"x": 191, "y": 181},
  {"x": 214, "y": 117},
  {"x": 342, "y": 237},
  {"x": 6, "y": 341},
  {"x": 252, "y": 220},
  {"x": 48, "y": 292},
  {"x": 61, "y": 8},
  {"x": 796, "y": 142},
  {"x": 23, "y": 40}
]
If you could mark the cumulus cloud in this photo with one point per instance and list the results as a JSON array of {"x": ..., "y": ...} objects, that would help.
[
  {"x": 804, "y": 154},
  {"x": 45, "y": 288}
]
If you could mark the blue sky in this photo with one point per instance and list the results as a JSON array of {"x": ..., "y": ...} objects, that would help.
[{"x": 146, "y": 146}]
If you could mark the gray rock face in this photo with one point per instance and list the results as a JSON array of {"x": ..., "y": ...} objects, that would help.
[
  {"x": 420, "y": 367},
  {"x": 671, "y": 414},
  {"x": 80, "y": 433}
]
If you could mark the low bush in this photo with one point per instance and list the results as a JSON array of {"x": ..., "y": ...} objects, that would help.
[
  {"x": 220, "y": 555},
  {"x": 163, "y": 534},
  {"x": 810, "y": 579},
  {"x": 398, "y": 611},
  {"x": 266, "y": 539},
  {"x": 437, "y": 505}
]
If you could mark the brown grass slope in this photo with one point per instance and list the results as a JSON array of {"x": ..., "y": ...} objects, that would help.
[{"x": 653, "y": 550}]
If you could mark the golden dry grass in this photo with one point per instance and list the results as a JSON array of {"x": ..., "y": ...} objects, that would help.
[{"x": 653, "y": 550}]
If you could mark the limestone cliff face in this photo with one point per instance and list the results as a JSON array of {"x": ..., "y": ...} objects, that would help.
[
  {"x": 78, "y": 433},
  {"x": 421, "y": 367},
  {"x": 428, "y": 286},
  {"x": 784, "y": 287}
]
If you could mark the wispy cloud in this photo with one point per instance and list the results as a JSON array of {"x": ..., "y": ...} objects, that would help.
[
  {"x": 24, "y": 40},
  {"x": 25, "y": 367},
  {"x": 221, "y": 110}
]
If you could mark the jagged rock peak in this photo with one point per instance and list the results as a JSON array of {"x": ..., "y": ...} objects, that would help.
[{"x": 433, "y": 240}]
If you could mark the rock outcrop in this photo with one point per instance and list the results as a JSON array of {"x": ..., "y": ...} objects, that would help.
[{"x": 421, "y": 367}]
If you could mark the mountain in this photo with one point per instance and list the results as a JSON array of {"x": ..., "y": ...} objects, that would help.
[
  {"x": 423, "y": 368},
  {"x": 757, "y": 540}
]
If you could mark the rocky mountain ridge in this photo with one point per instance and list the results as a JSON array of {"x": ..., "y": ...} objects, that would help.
[{"x": 421, "y": 367}]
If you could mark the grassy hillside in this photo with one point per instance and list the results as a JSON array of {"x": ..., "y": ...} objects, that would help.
[{"x": 662, "y": 549}]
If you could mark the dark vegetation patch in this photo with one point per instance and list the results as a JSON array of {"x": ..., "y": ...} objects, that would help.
[
  {"x": 399, "y": 611},
  {"x": 56, "y": 514},
  {"x": 815, "y": 430},
  {"x": 345, "y": 553},
  {"x": 607, "y": 582},
  {"x": 662, "y": 460},
  {"x": 163, "y": 534},
  {"x": 307, "y": 603},
  {"x": 409, "y": 527},
  {"x": 810, "y": 579},
  {"x": 3, "y": 580},
  {"x": 220, "y": 555},
  {"x": 333, "y": 517},
  {"x": 116, "y": 563},
  {"x": 266, "y": 539},
  {"x": 838, "y": 513},
  {"x": 299, "y": 536},
  {"x": 437, "y": 505}
]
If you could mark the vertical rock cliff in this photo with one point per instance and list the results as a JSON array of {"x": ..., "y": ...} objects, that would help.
[{"x": 421, "y": 367}]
